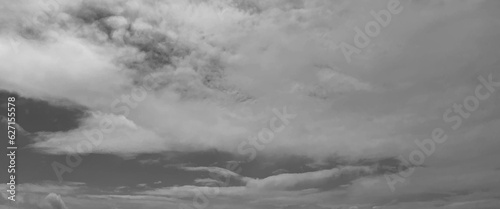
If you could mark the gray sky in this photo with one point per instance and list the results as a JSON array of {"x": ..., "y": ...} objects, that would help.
[{"x": 253, "y": 103}]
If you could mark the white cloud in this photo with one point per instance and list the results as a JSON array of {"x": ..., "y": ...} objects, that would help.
[
  {"x": 307, "y": 180},
  {"x": 224, "y": 65},
  {"x": 53, "y": 201}
]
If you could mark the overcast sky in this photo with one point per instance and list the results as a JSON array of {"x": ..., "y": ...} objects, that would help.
[{"x": 243, "y": 104}]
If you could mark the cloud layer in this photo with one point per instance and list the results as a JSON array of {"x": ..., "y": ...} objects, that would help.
[{"x": 158, "y": 77}]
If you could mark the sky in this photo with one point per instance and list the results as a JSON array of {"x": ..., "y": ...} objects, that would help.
[{"x": 252, "y": 104}]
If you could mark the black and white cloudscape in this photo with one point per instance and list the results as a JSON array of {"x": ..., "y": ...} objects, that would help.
[{"x": 252, "y": 104}]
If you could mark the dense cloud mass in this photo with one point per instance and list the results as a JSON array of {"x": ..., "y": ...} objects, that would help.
[{"x": 163, "y": 77}]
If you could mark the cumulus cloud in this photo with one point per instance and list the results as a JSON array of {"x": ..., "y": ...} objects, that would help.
[
  {"x": 220, "y": 67},
  {"x": 53, "y": 201},
  {"x": 199, "y": 66},
  {"x": 274, "y": 190}
]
